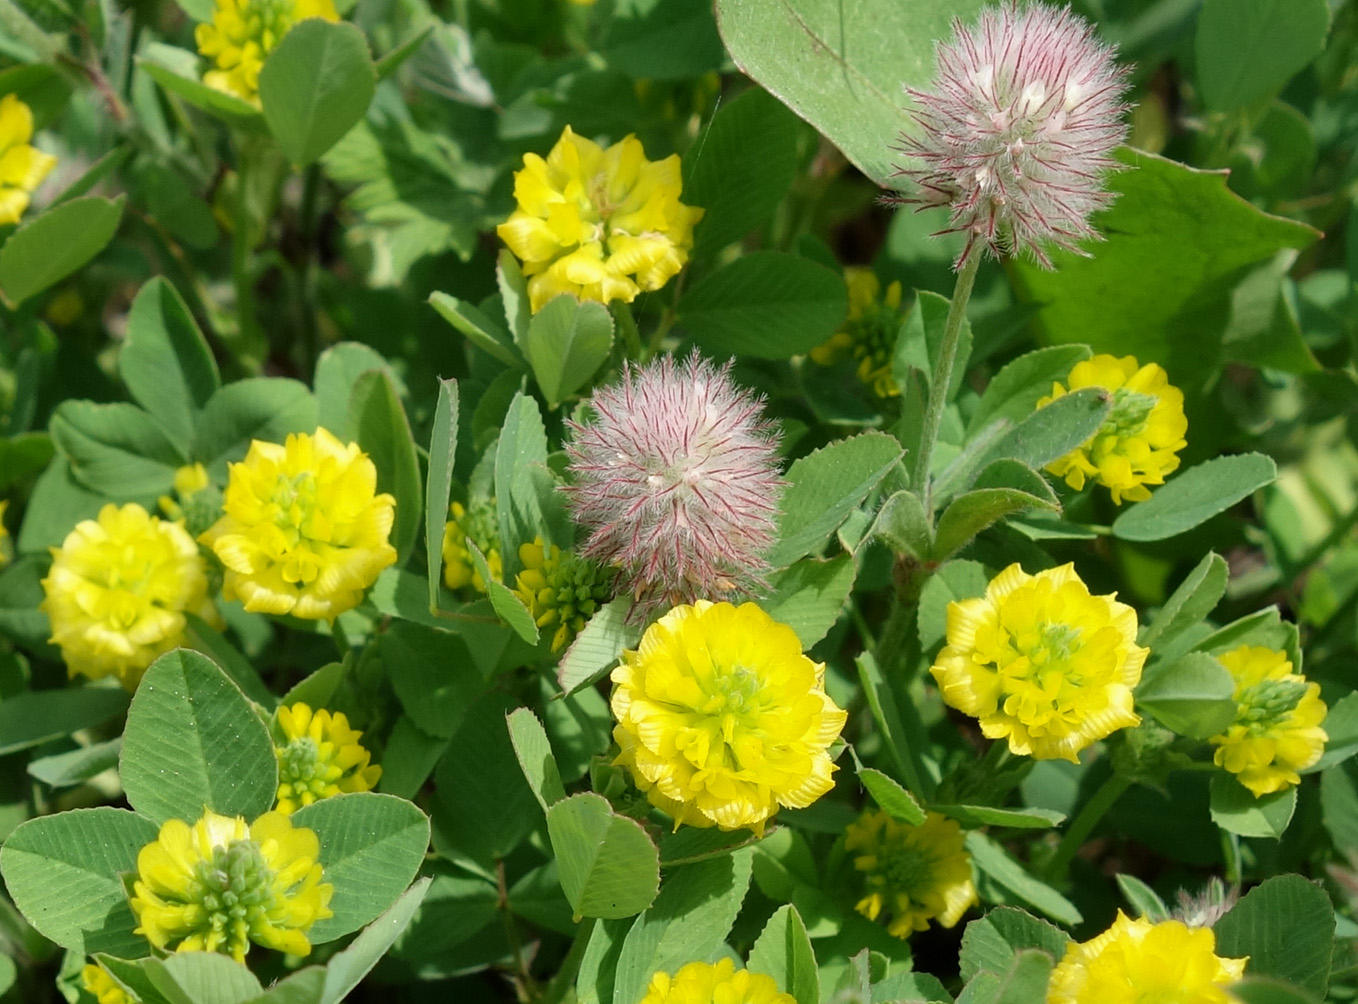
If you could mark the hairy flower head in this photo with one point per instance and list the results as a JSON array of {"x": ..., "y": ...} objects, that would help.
[
  {"x": 243, "y": 33},
  {"x": 722, "y": 719},
  {"x": 599, "y": 224},
  {"x": 118, "y": 590},
  {"x": 913, "y": 874},
  {"x": 1041, "y": 662},
  {"x": 319, "y": 756},
  {"x": 1139, "y": 441},
  {"x": 479, "y": 526},
  {"x": 560, "y": 589},
  {"x": 1137, "y": 962},
  {"x": 220, "y": 884},
  {"x": 22, "y": 166},
  {"x": 676, "y": 482},
  {"x": 714, "y": 983},
  {"x": 96, "y": 979},
  {"x": 304, "y": 531},
  {"x": 1277, "y": 727},
  {"x": 1015, "y": 134},
  {"x": 869, "y": 332}
]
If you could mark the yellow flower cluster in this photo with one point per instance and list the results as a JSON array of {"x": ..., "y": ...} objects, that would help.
[
  {"x": 722, "y": 719},
  {"x": 479, "y": 524},
  {"x": 220, "y": 884},
  {"x": 913, "y": 874},
  {"x": 869, "y": 332},
  {"x": 598, "y": 224},
  {"x": 714, "y": 983},
  {"x": 243, "y": 33},
  {"x": 1139, "y": 441},
  {"x": 304, "y": 530},
  {"x": 1137, "y": 962},
  {"x": 560, "y": 589},
  {"x": 22, "y": 166},
  {"x": 320, "y": 756},
  {"x": 1277, "y": 727},
  {"x": 97, "y": 981},
  {"x": 118, "y": 590},
  {"x": 1041, "y": 662}
]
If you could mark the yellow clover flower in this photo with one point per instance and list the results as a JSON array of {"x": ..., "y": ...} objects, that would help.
[
  {"x": 243, "y": 33},
  {"x": 320, "y": 757},
  {"x": 97, "y": 981},
  {"x": 1276, "y": 731},
  {"x": 869, "y": 332},
  {"x": 22, "y": 166},
  {"x": 1139, "y": 441},
  {"x": 914, "y": 874},
  {"x": 479, "y": 524},
  {"x": 714, "y": 983},
  {"x": 1041, "y": 662},
  {"x": 722, "y": 719},
  {"x": 1137, "y": 962},
  {"x": 118, "y": 590},
  {"x": 560, "y": 588},
  {"x": 220, "y": 884},
  {"x": 304, "y": 531},
  {"x": 598, "y": 224}
]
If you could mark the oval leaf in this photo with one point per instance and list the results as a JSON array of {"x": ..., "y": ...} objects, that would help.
[
  {"x": 1195, "y": 496},
  {"x": 607, "y": 865}
]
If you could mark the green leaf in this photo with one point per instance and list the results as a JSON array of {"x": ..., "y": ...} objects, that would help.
[
  {"x": 809, "y": 595},
  {"x": 23, "y": 456},
  {"x": 902, "y": 524},
  {"x": 194, "y": 741},
  {"x": 384, "y": 434},
  {"x": 842, "y": 66},
  {"x": 56, "y": 243},
  {"x": 506, "y": 603},
  {"x": 166, "y": 362},
  {"x": 177, "y": 71},
  {"x": 661, "y": 39},
  {"x": 607, "y": 865},
  {"x": 371, "y": 847},
  {"x": 1236, "y": 809},
  {"x": 64, "y": 874},
  {"x": 1195, "y": 496},
  {"x": 1253, "y": 990},
  {"x": 1015, "y": 475},
  {"x": 514, "y": 294},
  {"x": 765, "y": 304},
  {"x": 337, "y": 371},
  {"x": 117, "y": 450},
  {"x": 303, "y": 986},
  {"x": 741, "y": 168},
  {"x": 442, "y": 454},
  {"x": 1286, "y": 926},
  {"x": 482, "y": 331},
  {"x": 990, "y": 858},
  {"x": 596, "y": 649},
  {"x": 525, "y": 491},
  {"x": 1144, "y": 900},
  {"x": 1014, "y": 391},
  {"x": 207, "y": 639},
  {"x": 783, "y": 951},
  {"x": 921, "y": 339},
  {"x": 31, "y": 718},
  {"x": 346, "y": 969},
  {"x": 1246, "y": 50},
  {"x": 265, "y": 408},
  {"x": 824, "y": 487},
  {"x": 567, "y": 341},
  {"x": 1051, "y": 432},
  {"x": 76, "y": 766},
  {"x": 1189, "y": 605},
  {"x": 202, "y": 978},
  {"x": 988, "y": 815},
  {"x": 1192, "y": 695},
  {"x": 954, "y": 580},
  {"x": 410, "y": 757},
  {"x": 393, "y": 60},
  {"x": 534, "y": 753},
  {"x": 1024, "y": 981},
  {"x": 894, "y": 800},
  {"x": 315, "y": 86},
  {"x": 1341, "y": 724},
  {"x": 433, "y": 674},
  {"x": 969, "y": 514}
]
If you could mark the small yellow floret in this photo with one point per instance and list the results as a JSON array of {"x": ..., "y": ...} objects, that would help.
[
  {"x": 722, "y": 719},
  {"x": 304, "y": 530},
  {"x": 320, "y": 756},
  {"x": 560, "y": 589},
  {"x": 1276, "y": 731},
  {"x": 1139, "y": 441},
  {"x": 599, "y": 224},
  {"x": 1137, "y": 962},
  {"x": 714, "y": 983},
  {"x": 243, "y": 33},
  {"x": 1042, "y": 663},
  {"x": 869, "y": 332},
  {"x": 118, "y": 590},
  {"x": 913, "y": 874},
  {"x": 22, "y": 166},
  {"x": 220, "y": 884},
  {"x": 96, "y": 980},
  {"x": 479, "y": 525}
]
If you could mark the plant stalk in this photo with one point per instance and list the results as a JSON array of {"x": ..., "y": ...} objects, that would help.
[{"x": 1083, "y": 825}]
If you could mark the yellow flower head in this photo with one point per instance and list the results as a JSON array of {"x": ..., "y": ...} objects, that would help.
[
  {"x": 560, "y": 588},
  {"x": 243, "y": 33},
  {"x": 22, "y": 167},
  {"x": 722, "y": 719},
  {"x": 1041, "y": 662},
  {"x": 1276, "y": 731},
  {"x": 304, "y": 531},
  {"x": 97, "y": 981},
  {"x": 118, "y": 590},
  {"x": 320, "y": 757},
  {"x": 1137, "y": 962},
  {"x": 599, "y": 224},
  {"x": 1139, "y": 441},
  {"x": 914, "y": 874},
  {"x": 220, "y": 884},
  {"x": 479, "y": 524},
  {"x": 714, "y": 983},
  {"x": 869, "y": 332}
]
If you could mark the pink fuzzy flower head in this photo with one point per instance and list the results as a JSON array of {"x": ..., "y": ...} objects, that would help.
[
  {"x": 676, "y": 482},
  {"x": 1016, "y": 134}
]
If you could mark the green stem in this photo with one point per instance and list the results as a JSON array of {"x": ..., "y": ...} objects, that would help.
[
  {"x": 250, "y": 347},
  {"x": 1083, "y": 825},
  {"x": 626, "y": 326},
  {"x": 570, "y": 966},
  {"x": 528, "y": 989},
  {"x": 938, "y": 386}
]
